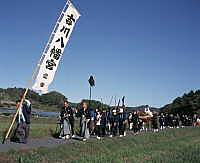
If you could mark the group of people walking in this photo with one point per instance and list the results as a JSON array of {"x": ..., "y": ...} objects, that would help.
[
  {"x": 93, "y": 122},
  {"x": 159, "y": 121},
  {"x": 116, "y": 122},
  {"x": 100, "y": 122}
]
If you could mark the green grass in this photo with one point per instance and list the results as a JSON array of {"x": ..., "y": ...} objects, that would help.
[
  {"x": 173, "y": 146},
  {"x": 40, "y": 127}
]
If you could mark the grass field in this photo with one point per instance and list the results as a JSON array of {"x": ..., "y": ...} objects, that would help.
[
  {"x": 40, "y": 127},
  {"x": 173, "y": 145}
]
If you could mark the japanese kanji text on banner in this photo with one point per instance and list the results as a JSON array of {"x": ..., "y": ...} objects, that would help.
[{"x": 55, "y": 48}]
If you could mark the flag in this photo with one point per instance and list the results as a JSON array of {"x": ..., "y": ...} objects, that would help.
[{"x": 53, "y": 52}]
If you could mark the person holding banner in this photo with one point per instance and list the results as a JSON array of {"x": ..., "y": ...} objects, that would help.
[
  {"x": 84, "y": 122},
  {"x": 66, "y": 116},
  {"x": 23, "y": 121},
  {"x": 46, "y": 68}
]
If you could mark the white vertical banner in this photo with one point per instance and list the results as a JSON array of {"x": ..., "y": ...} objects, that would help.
[{"x": 55, "y": 48}]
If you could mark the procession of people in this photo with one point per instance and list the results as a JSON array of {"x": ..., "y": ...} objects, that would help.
[
  {"x": 116, "y": 121},
  {"x": 101, "y": 122}
]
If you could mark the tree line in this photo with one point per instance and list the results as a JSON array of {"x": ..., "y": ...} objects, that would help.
[
  {"x": 188, "y": 104},
  {"x": 54, "y": 99}
]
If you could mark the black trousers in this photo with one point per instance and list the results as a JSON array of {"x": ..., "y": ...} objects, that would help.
[
  {"x": 99, "y": 130},
  {"x": 92, "y": 127},
  {"x": 22, "y": 132},
  {"x": 135, "y": 127},
  {"x": 121, "y": 128},
  {"x": 27, "y": 130},
  {"x": 72, "y": 126},
  {"x": 114, "y": 129},
  {"x": 161, "y": 123},
  {"x": 103, "y": 129}
]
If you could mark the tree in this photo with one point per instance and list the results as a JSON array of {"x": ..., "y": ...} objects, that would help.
[{"x": 189, "y": 103}]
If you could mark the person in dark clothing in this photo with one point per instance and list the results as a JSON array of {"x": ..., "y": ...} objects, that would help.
[
  {"x": 26, "y": 110},
  {"x": 171, "y": 120},
  {"x": 167, "y": 121},
  {"x": 92, "y": 121},
  {"x": 176, "y": 121},
  {"x": 103, "y": 123},
  {"x": 183, "y": 120},
  {"x": 122, "y": 120},
  {"x": 140, "y": 125},
  {"x": 98, "y": 124},
  {"x": 155, "y": 122},
  {"x": 130, "y": 121},
  {"x": 67, "y": 119},
  {"x": 162, "y": 121},
  {"x": 114, "y": 123},
  {"x": 84, "y": 121},
  {"x": 125, "y": 124},
  {"x": 135, "y": 119},
  {"x": 109, "y": 116},
  {"x": 23, "y": 121}
]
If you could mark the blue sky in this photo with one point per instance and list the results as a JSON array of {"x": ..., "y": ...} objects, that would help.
[{"x": 147, "y": 50}]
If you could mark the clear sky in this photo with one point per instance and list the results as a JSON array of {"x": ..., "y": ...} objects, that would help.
[{"x": 147, "y": 50}]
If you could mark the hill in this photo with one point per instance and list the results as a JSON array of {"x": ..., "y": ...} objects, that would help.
[
  {"x": 189, "y": 104},
  {"x": 51, "y": 101}
]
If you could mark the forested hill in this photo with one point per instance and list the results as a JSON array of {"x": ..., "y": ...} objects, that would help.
[
  {"x": 51, "y": 101},
  {"x": 189, "y": 103}
]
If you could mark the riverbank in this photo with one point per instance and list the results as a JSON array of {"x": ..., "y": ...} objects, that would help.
[{"x": 35, "y": 112}]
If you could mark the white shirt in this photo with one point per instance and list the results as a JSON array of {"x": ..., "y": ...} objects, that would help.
[{"x": 98, "y": 120}]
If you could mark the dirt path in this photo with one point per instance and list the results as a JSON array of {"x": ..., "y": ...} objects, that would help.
[
  {"x": 48, "y": 142},
  {"x": 42, "y": 142},
  {"x": 35, "y": 143}
]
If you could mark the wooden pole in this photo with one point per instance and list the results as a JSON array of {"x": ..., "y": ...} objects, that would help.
[{"x": 14, "y": 118}]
